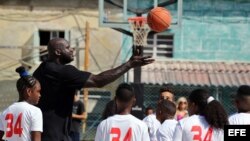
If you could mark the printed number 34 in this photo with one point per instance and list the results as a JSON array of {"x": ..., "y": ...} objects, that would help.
[
  {"x": 117, "y": 133},
  {"x": 17, "y": 127},
  {"x": 198, "y": 131}
]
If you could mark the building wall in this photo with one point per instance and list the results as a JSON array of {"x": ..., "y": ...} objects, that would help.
[
  {"x": 216, "y": 30},
  {"x": 211, "y": 30},
  {"x": 63, "y": 4},
  {"x": 19, "y": 29},
  {"x": 20, "y": 24}
]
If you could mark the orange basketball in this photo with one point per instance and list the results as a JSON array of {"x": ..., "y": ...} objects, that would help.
[{"x": 159, "y": 19}]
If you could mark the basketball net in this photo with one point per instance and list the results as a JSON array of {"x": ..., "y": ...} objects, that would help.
[{"x": 140, "y": 30}]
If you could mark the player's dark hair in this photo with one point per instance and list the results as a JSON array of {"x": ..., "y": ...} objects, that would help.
[
  {"x": 109, "y": 109},
  {"x": 124, "y": 94},
  {"x": 243, "y": 90},
  {"x": 213, "y": 111},
  {"x": 149, "y": 108},
  {"x": 25, "y": 81},
  {"x": 242, "y": 100},
  {"x": 165, "y": 89},
  {"x": 167, "y": 109}
]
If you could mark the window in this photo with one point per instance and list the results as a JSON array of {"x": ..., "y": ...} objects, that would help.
[
  {"x": 159, "y": 46},
  {"x": 45, "y": 36}
]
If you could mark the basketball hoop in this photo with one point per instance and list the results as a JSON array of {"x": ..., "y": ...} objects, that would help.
[{"x": 140, "y": 30}]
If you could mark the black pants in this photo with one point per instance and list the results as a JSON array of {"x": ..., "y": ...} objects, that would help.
[{"x": 75, "y": 136}]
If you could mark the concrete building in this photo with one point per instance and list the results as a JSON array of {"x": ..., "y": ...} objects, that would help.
[{"x": 27, "y": 26}]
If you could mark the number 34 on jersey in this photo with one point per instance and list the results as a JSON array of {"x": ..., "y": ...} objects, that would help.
[
  {"x": 116, "y": 134},
  {"x": 14, "y": 126}
]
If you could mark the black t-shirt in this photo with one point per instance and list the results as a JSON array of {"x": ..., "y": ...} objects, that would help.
[
  {"x": 59, "y": 83},
  {"x": 78, "y": 108}
]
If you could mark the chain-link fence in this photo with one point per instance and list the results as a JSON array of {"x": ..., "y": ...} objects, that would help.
[
  {"x": 99, "y": 97},
  {"x": 223, "y": 94}
]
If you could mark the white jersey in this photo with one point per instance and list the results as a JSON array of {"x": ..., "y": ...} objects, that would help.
[
  {"x": 122, "y": 128},
  {"x": 166, "y": 130},
  {"x": 19, "y": 119},
  {"x": 196, "y": 128},
  {"x": 153, "y": 125},
  {"x": 240, "y": 119}
]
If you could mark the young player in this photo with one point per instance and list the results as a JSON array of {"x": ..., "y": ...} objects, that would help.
[
  {"x": 22, "y": 121},
  {"x": 153, "y": 124},
  {"x": 151, "y": 121},
  {"x": 242, "y": 101},
  {"x": 149, "y": 110},
  {"x": 165, "y": 113},
  {"x": 166, "y": 93},
  {"x": 206, "y": 121},
  {"x": 122, "y": 126}
]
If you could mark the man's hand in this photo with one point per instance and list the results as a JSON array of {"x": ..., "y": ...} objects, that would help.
[
  {"x": 137, "y": 61},
  {"x": 111, "y": 75}
]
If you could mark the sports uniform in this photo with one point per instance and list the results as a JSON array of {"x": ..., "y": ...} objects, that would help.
[
  {"x": 153, "y": 125},
  {"x": 196, "y": 127},
  {"x": 59, "y": 83},
  {"x": 240, "y": 119},
  {"x": 19, "y": 119},
  {"x": 122, "y": 127},
  {"x": 166, "y": 130}
]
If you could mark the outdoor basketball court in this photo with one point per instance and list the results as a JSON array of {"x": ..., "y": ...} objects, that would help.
[{"x": 206, "y": 45}]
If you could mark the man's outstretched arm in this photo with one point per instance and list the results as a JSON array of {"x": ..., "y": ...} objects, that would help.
[{"x": 111, "y": 75}]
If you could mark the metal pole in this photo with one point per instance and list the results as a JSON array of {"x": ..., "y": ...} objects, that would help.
[
  {"x": 86, "y": 66},
  {"x": 77, "y": 54}
]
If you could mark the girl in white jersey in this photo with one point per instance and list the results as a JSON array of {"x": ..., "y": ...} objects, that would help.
[
  {"x": 22, "y": 121},
  {"x": 206, "y": 121},
  {"x": 122, "y": 126}
]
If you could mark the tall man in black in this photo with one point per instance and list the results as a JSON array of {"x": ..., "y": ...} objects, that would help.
[{"x": 60, "y": 81}]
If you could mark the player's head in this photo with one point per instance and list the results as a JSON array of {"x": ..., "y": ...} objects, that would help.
[
  {"x": 201, "y": 103},
  {"x": 242, "y": 99},
  {"x": 166, "y": 93},
  {"x": 28, "y": 87},
  {"x": 149, "y": 110},
  {"x": 124, "y": 98},
  {"x": 59, "y": 49},
  {"x": 165, "y": 110}
]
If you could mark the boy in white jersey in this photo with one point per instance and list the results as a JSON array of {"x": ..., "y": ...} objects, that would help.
[
  {"x": 151, "y": 121},
  {"x": 242, "y": 102},
  {"x": 165, "y": 113},
  {"x": 206, "y": 121},
  {"x": 122, "y": 126},
  {"x": 153, "y": 124},
  {"x": 22, "y": 121}
]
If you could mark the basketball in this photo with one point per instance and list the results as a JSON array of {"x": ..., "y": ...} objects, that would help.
[{"x": 159, "y": 19}]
